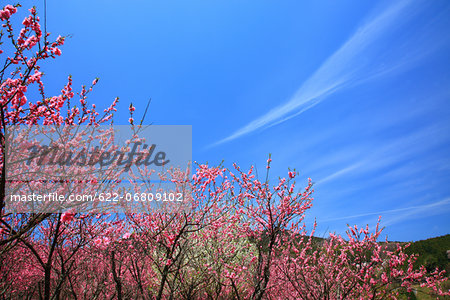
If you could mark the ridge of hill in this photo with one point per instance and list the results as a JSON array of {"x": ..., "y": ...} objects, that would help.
[{"x": 432, "y": 252}]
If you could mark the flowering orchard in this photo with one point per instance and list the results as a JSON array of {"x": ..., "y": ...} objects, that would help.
[{"x": 241, "y": 237}]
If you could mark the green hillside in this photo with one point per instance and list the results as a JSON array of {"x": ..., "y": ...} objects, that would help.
[{"x": 432, "y": 252}]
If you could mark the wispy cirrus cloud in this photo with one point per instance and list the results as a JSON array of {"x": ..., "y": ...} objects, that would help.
[
  {"x": 351, "y": 64},
  {"x": 399, "y": 213},
  {"x": 394, "y": 152}
]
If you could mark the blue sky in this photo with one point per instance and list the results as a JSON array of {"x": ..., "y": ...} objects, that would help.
[{"x": 354, "y": 94}]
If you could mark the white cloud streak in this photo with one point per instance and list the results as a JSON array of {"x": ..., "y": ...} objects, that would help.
[
  {"x": 346, "y": 67},
  {"x": 411, "y": 210},
  {"x": 394, "y": 152}
]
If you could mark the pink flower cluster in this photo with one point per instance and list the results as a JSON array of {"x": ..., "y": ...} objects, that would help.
[{"x": 7, "y": 11}]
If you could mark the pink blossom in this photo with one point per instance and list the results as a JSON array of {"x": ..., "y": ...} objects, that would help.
[
  {"x": 11, "y": 8},
  {"x": 67, "y": 217},
  {"x": 4, "y": 14},
  {"x": 56, "y": 51},
  {"x": 28, "y": 21}
]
